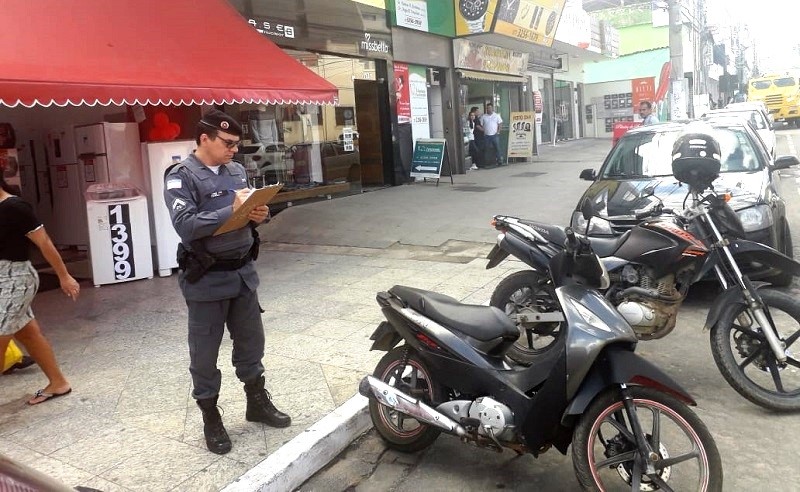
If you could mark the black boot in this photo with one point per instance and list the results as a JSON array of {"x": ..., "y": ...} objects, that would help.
[
  {"x": 260, "y": 407},
  {"x": 217, "y": 439}
]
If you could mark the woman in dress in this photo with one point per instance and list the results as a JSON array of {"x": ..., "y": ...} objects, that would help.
[{"x": 19, "y": 283}]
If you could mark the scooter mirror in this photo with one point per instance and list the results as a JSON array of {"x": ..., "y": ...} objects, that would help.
[{"x": 587, "y": 209}]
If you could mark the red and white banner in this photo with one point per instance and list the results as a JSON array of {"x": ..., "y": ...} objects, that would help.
[{"x": 402, "y": 94}]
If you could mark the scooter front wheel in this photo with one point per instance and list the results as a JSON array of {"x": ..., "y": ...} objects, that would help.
[
  {"x": 606, "y": 456},
  {"x": 403, "y": 369}
]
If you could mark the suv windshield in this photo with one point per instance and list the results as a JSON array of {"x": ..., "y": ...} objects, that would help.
[
  {"x": 784, "y": 82},
  {"x": 650, "y": 154}
]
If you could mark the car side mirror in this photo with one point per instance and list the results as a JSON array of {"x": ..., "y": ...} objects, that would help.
[
  {"x": 588, "y": 175},
  {"x": 785, "y": 162}
]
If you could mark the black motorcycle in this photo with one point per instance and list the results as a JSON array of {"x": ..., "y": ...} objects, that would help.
[
  {"x": 651, "y": 268},
  {"x": 627, "y": 421}
]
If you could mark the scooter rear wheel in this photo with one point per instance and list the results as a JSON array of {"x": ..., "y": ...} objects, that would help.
[
  {"x": 606, "y": 457},
  {"x": 402, "y": 432}
]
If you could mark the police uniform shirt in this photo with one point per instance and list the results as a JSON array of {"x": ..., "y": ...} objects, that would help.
[{"x": 199, "y": 202}]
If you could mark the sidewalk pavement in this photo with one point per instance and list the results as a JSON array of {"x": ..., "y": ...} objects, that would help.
[{"x": 130, "y": 423}]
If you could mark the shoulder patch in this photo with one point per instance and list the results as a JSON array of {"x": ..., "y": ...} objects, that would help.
[
  {"x": 174, "y": 183},
  {"x": 178, "y": 204}
]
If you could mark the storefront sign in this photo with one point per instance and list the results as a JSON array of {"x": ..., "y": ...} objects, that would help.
[
  {"x": 412, "y": 14},
  {"x": 530, "y": 20},
  {"x": 418, "y": 98},
  {"x": 474, "y": 16},
  {"x": 270, "y": 28},
  {"x": 520, "y": 140},
  {"x": 401, "y": 93},
  {"x": 538, "y": 103},
  {"x": 486, "y": 58},
  {"x": 121, "y": 241},
  {"x": 643, "y": 89},
  {"x": 428, "y": 158},
  {"x": 575, "y": 26},
  {"x": 373, "y": 44}
]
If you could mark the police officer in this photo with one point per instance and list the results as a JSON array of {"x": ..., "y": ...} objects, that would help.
[{"x": 218, "y": 278}]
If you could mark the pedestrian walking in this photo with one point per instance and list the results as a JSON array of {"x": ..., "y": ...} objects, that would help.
[
  {"x": 492, "y": 124},
  {"x": 473, "y": 147},
  {"x": 478, "y": 133},
  {"x": 218, "y": 278},
  {"x": 19, "y": 283},
  {"x": 646, "y": 112}
]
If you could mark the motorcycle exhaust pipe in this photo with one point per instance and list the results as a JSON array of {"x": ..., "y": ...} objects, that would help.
[{"x": 397, "y": 400}]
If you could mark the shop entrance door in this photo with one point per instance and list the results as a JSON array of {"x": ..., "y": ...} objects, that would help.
[
  {"x": 563, "y": 108},
  {"x": 372, "y": 111}
]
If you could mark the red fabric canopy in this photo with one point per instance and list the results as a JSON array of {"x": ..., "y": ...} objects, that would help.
[{"x": 120, "y": 52}]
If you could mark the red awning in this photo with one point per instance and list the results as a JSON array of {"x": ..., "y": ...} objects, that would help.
[{"x": 76, "y": 52}]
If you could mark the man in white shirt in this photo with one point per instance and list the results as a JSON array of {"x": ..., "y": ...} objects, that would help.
[
  {"x": 492, "y": 123},
  {"x": 646, "y": 112}
]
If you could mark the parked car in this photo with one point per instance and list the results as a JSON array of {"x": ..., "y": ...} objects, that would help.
[
  {"x": 338, "y": 164},
  {"x": 271, "y": 162},
  {"x": 641, "y": 163},
  {"x": 756, "y": 116}
]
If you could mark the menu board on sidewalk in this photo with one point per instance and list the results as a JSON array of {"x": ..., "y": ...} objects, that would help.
[{"x": 428, "y": 158}]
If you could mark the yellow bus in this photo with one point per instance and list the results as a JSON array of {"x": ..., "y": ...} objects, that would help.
[{"x": 781, "y": 94}]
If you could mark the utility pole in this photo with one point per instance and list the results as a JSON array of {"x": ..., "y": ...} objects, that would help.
[{"x": 678, "y": 94}]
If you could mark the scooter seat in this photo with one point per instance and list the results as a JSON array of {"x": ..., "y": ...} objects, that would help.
[
  {"x": 553, "y": 233},
  {"x": 483, "y": 323}
]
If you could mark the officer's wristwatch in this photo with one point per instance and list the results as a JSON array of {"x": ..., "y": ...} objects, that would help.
[{"x": 473, "y": 12}]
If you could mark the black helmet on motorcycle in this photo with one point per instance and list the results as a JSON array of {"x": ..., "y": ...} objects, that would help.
[{"x": 696, "y": 158}]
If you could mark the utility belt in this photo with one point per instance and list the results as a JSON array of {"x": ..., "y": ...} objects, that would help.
[{"x": 198, "y": 261}]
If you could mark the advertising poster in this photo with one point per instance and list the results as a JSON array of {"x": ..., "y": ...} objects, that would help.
[
  {"x": 418, "y": 93},
  {"x": 535, "y": 21},
  {"x": 474, "y": 16},
  {"x": 412, "y": 14},
  {"x": 520, "y": 140},
  {"x": 401, "y": 92},
  {"x": 643, "y": 89}
]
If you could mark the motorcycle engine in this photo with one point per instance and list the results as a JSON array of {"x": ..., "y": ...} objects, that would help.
[
  {"x": 493, "y": 416},
  {"x": 650, "y": 318}
]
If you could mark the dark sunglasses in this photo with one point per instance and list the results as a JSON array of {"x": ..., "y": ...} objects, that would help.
[{"x": 230, "y": 143}]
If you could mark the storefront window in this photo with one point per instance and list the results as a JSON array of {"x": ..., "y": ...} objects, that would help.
[
  {"x": 311, "y": 149},
  {"x": 504, "y": 96}
]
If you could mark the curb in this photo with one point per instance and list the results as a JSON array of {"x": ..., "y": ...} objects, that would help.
[{"x": 297, "y": 460}]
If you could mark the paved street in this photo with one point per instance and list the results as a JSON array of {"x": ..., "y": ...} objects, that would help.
[
  {"x": 758, "y": 448},
  {"x": 130, "y": 423}
]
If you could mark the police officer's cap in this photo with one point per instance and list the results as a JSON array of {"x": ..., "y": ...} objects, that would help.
[{"x": 220, "y": 121}]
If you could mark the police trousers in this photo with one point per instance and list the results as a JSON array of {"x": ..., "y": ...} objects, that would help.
[{"x": 207, "y": 321}]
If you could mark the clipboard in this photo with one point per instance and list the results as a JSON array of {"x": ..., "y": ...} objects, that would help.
[{"x": 259, "y": 196}]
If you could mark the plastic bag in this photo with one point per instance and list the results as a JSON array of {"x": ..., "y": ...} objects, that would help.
[{"x": 13, "y": 355}]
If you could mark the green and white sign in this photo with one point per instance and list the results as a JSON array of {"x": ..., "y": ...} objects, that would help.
[
  {"x": 433, "y": 16},
  {"x": 428, "y": 158}
]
